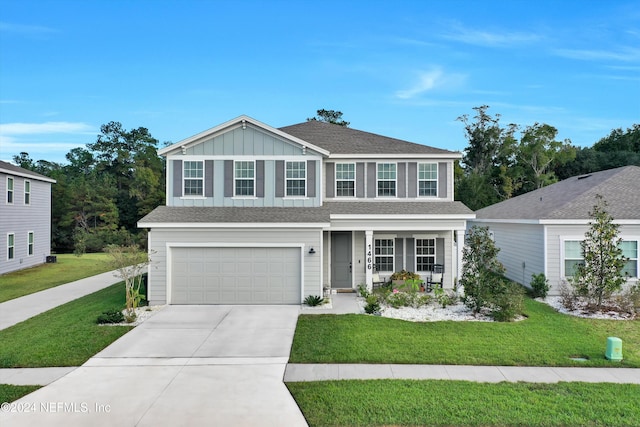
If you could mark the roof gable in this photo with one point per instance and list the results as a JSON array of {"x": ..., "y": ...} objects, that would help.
[
  {"x": 574, "y": 198},
  {"x": 343, "y": 140},
  {"x": 10, "y": 169},
  {"x": 242, "y": 136}
]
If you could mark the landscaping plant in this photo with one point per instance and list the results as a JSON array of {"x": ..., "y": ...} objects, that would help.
[
  {"x": 313, "y": 300},
  {"x": 131, "y": 263},
  {"x": 539, "y": 285}
]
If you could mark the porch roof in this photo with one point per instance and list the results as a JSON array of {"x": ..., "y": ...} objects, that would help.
[
  {"x": 399, "y": 208},
  {"x": 209, "y": 215}
]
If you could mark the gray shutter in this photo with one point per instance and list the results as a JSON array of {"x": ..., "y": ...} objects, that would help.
[
  {"x": 440, "y": 251},
  {"x": 442, "y": 180},
  {"x": 259, "y": 178},
  {"x": 401, "y": 179},
  {"x": 311, "y": 178},
  {"x": 228, "y": 178},
  {"x": 411, "y": 254},
  {"x": 398, "y": 248},
  {"x": 330, "y": 180},
  {"x": 279, "y": 178},
  {"x": 372, "y": 187},
  {"x": 360, "y": 180},
  {"x": 177, "y": 178},
  {"x": 413, "y": 179},
  {"x": 208, "y": 178}
]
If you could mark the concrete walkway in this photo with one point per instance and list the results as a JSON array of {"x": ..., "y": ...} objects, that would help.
[{"x": 20, "y": 309}]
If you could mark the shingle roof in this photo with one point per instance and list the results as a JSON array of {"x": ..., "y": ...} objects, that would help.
[
  {"x": 574, "y": 198},
  {"x": 398, "y": 208},
  {"x": 344, "y": 140},
  {"x": 191, "y": 214},
  {"x": 9, "y": 168}
]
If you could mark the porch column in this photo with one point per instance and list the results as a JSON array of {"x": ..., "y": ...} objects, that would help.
[
  {"x": 368, "y": 245},
  {"x": 459, "y": 246}
]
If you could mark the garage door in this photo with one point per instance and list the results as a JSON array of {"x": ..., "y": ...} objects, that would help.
[{"x": 235, "y": 276}]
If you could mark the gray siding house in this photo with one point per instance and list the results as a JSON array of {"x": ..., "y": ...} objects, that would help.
[
  {"x": 25, "y": 218},
  {"x": 259, "y": 215},
  {"x": 541, "y": 231}
]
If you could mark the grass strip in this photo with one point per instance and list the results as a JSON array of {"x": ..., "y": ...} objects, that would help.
[
  {"x": 545, "y": 338},
  {"x": 9, "y": 392},
  {"x": 64, "y": 336},
  {"x": 462, "y": 403},
  {"x": 69, "y": 268}
]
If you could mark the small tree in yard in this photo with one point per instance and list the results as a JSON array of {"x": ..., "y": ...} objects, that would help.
[
  {"x": 130, "y": 262},
  {"x": 481, "y": 270},
  {"x": 601, "y": 273}
]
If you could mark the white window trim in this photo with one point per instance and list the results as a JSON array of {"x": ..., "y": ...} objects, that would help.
[
  {"x": 393, "y": 255},
  {"x": 31, "y": 245},
  {"x": 14, "y": 246},
  {"x": 245, "y": 196},
  {"x": 335, "y": 174},
  {"x": 297, "y": 196},
  {"x": 428, "y": 180},
  {"x": 184, "y": 179},
  {"x": 12, "y": 191},
  {"x": 415, "y": 251},
  {"x": 27, "y": 183},
  {"x": 378, "y": 180}
]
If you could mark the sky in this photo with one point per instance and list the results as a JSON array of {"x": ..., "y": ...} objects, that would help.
[{"x": 405, "y": 69}]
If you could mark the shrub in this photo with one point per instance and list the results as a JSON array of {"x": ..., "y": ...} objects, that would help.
[
  {"x": 110, "y": 316},
  {"x": 422, "y": 299},
  {"x": 443, "y": 297},
  {"x": 404, "y": 275},
  {"x": 568, "y": 297},
  {"x": 313, "y": 300},
  {"x": 399, "y": 299},
  {"x": 362, "y": 290},
  {"x": 539, "y": 285},
  {"x": 373, "y": 304},
  {"x": 509, "y": 303}
]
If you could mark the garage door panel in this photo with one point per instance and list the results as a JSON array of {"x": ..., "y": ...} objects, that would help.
[{"x": 235, "y": 276}]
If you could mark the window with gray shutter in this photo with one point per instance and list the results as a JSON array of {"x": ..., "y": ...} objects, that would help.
[
  {"x": 442, "y": 180},
  {"x": 279, "y": 178},
  {"x": 311, "y": 178},
  {"x": 177, "y": 178}
]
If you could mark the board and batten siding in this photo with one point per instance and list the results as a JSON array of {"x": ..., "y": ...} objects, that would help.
[
  {"x": 20, "y": 219},
  {"x": 159, "y": 239}
]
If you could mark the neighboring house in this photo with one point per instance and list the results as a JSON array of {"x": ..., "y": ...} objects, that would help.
[
  {"x": 25, "y": 218},
  {"x": 541, "y": 231},
  {"x": 259, "y": 215}
]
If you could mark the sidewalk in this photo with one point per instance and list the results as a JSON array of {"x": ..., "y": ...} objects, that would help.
[{"x": 20, "y": 309}]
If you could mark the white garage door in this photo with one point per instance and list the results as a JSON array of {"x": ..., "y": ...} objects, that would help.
[{"x": 235, "y": 276}]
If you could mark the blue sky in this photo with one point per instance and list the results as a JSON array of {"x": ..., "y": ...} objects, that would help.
[{"x": 405, "y": 69}]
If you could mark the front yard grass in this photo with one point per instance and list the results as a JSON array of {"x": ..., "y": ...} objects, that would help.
[
  {"x": 68, "y": 268},
  {"x": 545, "y": 338},
  {"x": 462, "y": 403},
  {"x": 64, "y": 336},
  {"x": 9, "y": 393}
]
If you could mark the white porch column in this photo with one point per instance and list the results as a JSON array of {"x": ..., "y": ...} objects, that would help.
[
  {"x": 460, "y": 246},
  {"x": 368, "y": 247}
]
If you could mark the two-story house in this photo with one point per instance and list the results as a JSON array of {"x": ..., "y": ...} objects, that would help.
[
  {"x": 25, "y": 218},
  {"x": 259, "y": 215}
]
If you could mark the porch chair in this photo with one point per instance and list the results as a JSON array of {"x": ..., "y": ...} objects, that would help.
[
  {"x": 377, "y": 281},
  {"x": 435, "y": 278}
]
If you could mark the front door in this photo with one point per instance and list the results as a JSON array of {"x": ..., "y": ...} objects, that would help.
[{"x": 341, "y": 260}]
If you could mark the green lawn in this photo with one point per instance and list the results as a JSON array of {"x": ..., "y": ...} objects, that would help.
[
  {"x": 64, "y": 336},
  {"x": 68, "y": 269},
  {"x": 545, "y": 338},
  {"x": 9, "y": 393},
  {"x": 461, "y": 403}
]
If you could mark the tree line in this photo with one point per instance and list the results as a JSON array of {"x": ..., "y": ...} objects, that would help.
[{"x": 106, "y": 187}]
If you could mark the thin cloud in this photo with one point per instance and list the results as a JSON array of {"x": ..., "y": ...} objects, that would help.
[
  {"x": 6, "y": 27},
  {"x": 432, "y": 80},
  {"x": 490, "y": 38},
  {"x": 47, "y": 127},
  {"x": 624, "y": 55}
]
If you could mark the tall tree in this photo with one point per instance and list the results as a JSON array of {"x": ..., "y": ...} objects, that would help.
[{"x": 329, "y": 116}]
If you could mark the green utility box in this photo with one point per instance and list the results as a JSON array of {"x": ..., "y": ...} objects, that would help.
[{"x": 614, "y": 349}]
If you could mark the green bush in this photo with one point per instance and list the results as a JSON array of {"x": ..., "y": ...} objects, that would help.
[
  {"x": 509, "y": 303},
  {"x": 313, "y": 300},
  {"x": 373, "y": 304},
  {"x": 110, "y": 316},
  {"x": 539, "y": 285}
]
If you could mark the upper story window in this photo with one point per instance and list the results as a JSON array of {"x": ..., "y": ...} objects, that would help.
[
  {"x": 11, "y": 245},
  {"x": 427, "y": 179},
  {"x": 345, "y": 179},
  {"x": 193, "y": 178},
  {"x": 296, "y": 178},
  {"x": 27, "y": 192},
  {"x": 386, "y": 179},
  {"x": 244, "y": 178},
  {"x": 9, "y": 190}
]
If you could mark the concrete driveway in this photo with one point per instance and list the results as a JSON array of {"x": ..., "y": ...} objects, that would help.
[{"x": 186, "y": 365}]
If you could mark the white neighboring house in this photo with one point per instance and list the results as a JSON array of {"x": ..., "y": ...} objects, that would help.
[
  {"x": 260, "y": 215},
  {"x": 25, "y": 218},
  {"x": 541, "y": 231}
]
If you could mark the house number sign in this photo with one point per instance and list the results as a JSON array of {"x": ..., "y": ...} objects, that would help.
[{"x": 369, "y": 258}]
